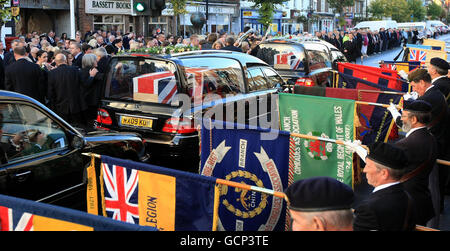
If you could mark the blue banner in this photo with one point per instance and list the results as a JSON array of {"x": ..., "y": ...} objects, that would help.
[
  {"x": 18, "y": 214},
  {"x": 243, "y": 156}
]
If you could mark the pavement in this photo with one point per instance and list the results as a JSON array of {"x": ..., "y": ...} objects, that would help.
[{"x": 363, "y": 189}]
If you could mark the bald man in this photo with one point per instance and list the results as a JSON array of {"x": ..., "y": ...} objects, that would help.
[{"x": 64, "y": 92}]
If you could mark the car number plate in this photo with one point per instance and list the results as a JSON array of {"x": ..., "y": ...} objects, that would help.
[{"x": 134, "y": 121}]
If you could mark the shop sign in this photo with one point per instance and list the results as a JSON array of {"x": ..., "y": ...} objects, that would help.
[{"x": 107, "y": 7}]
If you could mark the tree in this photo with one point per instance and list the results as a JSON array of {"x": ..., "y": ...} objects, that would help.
[
  {"x": 179, "y": 8},
  {"x": 5, "y": 13},
  {"x": 434, "y": 11},
  {"x": 418, "y": 10},
  {"x": 377, "y": 8},
  {"x": 339, "y": 5},
  {"x": 266, "y": 8},
  {"x": 399, "y": 10}
]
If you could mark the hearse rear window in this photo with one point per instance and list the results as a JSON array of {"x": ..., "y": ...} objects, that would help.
[{"x": 142, "y": 80}]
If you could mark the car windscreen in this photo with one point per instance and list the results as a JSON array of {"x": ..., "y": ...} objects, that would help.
[
  {"x": 142, "y": 79},
  {"x": 212, "y": 75},
  {"x": 283, "y": 56}
]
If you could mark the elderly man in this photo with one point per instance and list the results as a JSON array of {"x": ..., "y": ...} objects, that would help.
[
  {"x": 421, "y": 149},
  {"x": 389, "y": 207},
  {"x": 438, "y": 70},
  {"x": 421, "y": 83},
  {"x": 320, "y": 204}
]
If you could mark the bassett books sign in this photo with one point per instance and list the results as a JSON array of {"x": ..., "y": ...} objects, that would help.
[{"x": 108, "y": 7}]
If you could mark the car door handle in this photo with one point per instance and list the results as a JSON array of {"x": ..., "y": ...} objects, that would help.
[
  {"x": 18, "y": 175},
  {"x": 21, "y": 177}
]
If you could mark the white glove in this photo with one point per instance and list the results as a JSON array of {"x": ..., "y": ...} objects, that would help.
[
  {"x": 356, "y": 147},
  {"x": 403, "y": 74},
  {"x": 410, "y": 96},
  {"x": 394, "y": 112}
]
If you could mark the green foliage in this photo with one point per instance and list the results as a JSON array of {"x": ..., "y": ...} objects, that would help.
[
  {"x": 377, "y": 8},
  {"x": 418, "y": 10},
  {"x": 179, "y": 6},
  {"x": 266, "y": 8},
  {"x": 434, "y": 11},
  {"x": 339, "y": 5},
  {"x": 160, "y": 50},
  {"x": 5, "y": 13},
  {"x": 400, "y": 11}
]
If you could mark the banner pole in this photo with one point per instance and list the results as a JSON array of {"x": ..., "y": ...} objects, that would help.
[
  {"x": 375, "y": 104},
  {"x": 252, "y": 188},
  {"x": 382, "y": 92}
]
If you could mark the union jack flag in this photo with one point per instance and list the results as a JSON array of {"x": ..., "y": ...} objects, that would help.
[
  {"x": 121, "y": 193},
  {"x": 15, "y": 220},
  {"x": 417, "y": 55},
  {"x": 162, "y": 84},
  {"x": 290, "y": 59}
]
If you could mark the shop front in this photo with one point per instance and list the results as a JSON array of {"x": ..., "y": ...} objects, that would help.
[
  {"x": 221, "y": 18},
  {"x": 110, "y": 15},
  {"x": 250, "y": 18}
]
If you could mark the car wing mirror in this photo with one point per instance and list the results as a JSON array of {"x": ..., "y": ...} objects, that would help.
[{"x": 78, "y": 142}]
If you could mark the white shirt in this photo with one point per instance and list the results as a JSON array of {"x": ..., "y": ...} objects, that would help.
[
  {"x": 378, "y": 188},
  {"x": 413, "y": 130},
  {"x": 433, "y": 80}
]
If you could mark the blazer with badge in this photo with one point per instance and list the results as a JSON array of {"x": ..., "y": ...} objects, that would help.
[
  {"x": 386, "y": 210},
  {"x": 26, "y": 78},
  {"x": 421, "y": 149}
]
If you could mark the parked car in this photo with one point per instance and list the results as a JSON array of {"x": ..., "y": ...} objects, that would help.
[
  {"x": 139, "y": 91},
  {"x": 41, "y": 154},
  {"x": 306, "y": 63}
]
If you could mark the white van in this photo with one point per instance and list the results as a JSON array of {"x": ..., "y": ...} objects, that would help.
[
  {"x": 420, "y": 26},
  {"x": 432, "y": 26},
  {"x": 376, "y": 25}
]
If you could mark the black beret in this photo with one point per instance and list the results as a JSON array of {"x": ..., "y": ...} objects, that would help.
[
  {"x": 388, "y": 155},
  {"x": 441, "y": 63},
  {"x": 117, "y": 40},
  {"x": 319, "y": 194},
  {"x": 417, "y": 106}
]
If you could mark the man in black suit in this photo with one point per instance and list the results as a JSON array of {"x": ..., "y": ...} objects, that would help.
[
  {"x": 25, "y": 77},
  {"x": 77, "y": 53},
  {"x": 64, "y": 92},
  {"x": 230, "y": 45},
  {"x": 421, "y": 149},
  {"x": 438, "y": 70},
  {"x": 51, "y": 38},
  {"x": 421, "y": 83},
  {"x": 389, "y": 207},
  {"x": 9, "y": 55}
]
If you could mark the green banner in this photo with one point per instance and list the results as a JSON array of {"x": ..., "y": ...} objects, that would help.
[{"x": 322, "y": 117}]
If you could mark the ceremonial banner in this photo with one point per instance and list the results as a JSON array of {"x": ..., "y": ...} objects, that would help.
[
  {"x": 24, "y": 215},
  {"x": 435, "y": 43},
  {"x": 166, "y": 199},
  {"x": 240, "y": 155},
  {"x": 376, "y": 123},
  {"x": 424, "y": 55},
  {"x": 406, "y": 66},
  {"x": 322, "y": 117},
  {"x": 381, "y": 76}
]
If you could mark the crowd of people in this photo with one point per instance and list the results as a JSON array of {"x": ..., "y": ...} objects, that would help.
[
  {"x": 67, "y": 76},
  {"x": 360, "y": 43}
]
